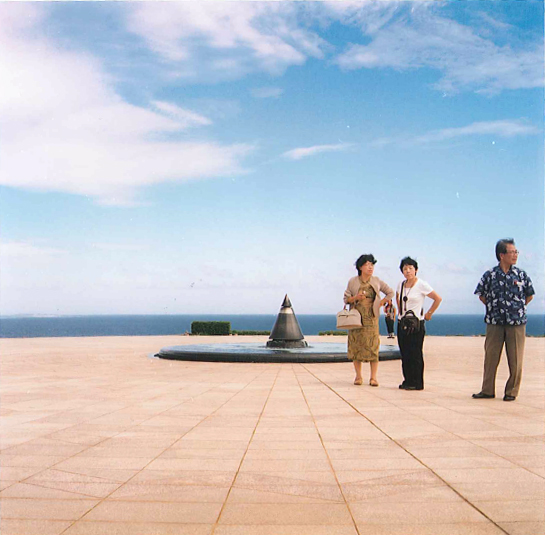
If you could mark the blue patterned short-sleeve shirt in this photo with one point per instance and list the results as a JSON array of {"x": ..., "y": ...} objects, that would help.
[{"x": 505, "y": 295}]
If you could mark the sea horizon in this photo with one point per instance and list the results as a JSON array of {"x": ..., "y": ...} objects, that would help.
[{"x": 82, "y": 325}]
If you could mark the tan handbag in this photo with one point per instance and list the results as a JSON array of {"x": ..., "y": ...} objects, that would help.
[{"x": 348, "y": 319}]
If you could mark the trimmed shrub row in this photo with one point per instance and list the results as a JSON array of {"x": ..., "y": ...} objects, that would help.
[
  {"x": 242, "y": 333},
  {"x": 334, "y": 333},
  {"x": 211, "y": 328}
]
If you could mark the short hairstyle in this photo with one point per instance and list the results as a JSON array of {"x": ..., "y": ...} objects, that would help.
[
  {"x": 408, "y": 261},
  {"x": 501, "y": 246},
  {"x": 363, "y": 259}
]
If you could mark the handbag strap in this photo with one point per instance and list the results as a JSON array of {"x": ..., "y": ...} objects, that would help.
[{"x": 401, "y": 300}]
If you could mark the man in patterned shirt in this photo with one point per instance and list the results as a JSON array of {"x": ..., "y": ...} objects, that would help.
[{"x": 505, "y": 291}]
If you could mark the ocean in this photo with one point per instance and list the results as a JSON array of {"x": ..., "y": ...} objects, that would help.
[{"x": 149, "y": 325}]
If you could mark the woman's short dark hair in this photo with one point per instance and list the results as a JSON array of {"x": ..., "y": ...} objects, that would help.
[
  {"x": 363, "y": 259},
  {"x": 408, "y": 261},
  {"x": 501, "y": 246}
]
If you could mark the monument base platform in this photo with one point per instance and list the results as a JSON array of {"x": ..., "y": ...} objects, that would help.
[{"x": 315, "y": 352}]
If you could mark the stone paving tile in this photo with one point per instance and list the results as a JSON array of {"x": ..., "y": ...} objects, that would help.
[
  {"x": 184, "y": 477},
  {"x": 213, "y": 465},
  {"x": 465, "y": 528},
  {"x": 25, "y": 490},
  {"x": 320, "y": 495},
  {"x": 492, "y": 461},
  {"x": 513, "y": 510},
  {"x": 410, "y": 513},
  {"x": 503, "y": 490},
  {"x": 284, "y": 449},
  {"x": 299, "y": 529},
  {"x": 291, "y": 514},
  {"x": 170, "y": 493},
  {"x": 58, "y": 509},
  {"x": 202, "y": 454},
  {"x": 524, "y": 528},
  {"x": 137, "y": 528},
  {"x": 33, "y": 527},
  {"x": 487, "y": 475},
  {"x": 179, "y": 512},
  {"x": 387, "y": 493}
]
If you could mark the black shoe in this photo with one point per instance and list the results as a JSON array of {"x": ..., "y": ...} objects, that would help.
[
  {"x": 509, "y": 398},
  {"x": 412, "y": 388},
  {"x": 402, "y": 386},
  {"x": 482, "y": 395}
]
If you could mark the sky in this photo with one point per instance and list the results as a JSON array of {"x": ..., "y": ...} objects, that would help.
[{"x": 210, "y": 157}]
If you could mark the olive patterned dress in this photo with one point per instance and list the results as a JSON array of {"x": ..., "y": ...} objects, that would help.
[{"x": 364, "y": 343}]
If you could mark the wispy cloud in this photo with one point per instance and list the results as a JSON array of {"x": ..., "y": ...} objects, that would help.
[
  {"x": 422, "y": 39},
  {"x": 225, "y": 39},
  {"x": 119, "y": 247},
  {"x": 505, "y": 129},
  {"x": 305, "y": 152},
  {"x": 184, "y": 118},
  {"x": 64, "y": 127},
  {"x": 266, "y": 92}
]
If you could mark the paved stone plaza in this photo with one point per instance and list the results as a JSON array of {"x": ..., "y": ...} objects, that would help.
[{"x": 99, "y": 438}]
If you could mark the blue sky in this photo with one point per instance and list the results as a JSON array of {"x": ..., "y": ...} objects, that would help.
[{"x": 209, "y": 157}]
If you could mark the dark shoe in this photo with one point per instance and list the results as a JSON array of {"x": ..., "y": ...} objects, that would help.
[
  {"x": 482, "y": 395},
  {"x": 509, "y": 398},
  {"x": 412, "y": 388},
  {"x": 402, "y": 386}
]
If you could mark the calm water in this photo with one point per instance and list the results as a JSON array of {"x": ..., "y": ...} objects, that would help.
[{"x": 142, "y": 325}]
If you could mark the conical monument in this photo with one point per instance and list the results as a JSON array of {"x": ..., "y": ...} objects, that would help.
[{"x": 286, "y": 332}]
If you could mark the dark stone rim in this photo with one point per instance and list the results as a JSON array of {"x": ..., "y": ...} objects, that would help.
[{"x": 306, "y": 356}]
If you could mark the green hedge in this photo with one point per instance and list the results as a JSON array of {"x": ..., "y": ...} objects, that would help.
[
  {"x": 242, "y": 333},
  {"x": 211, "y": 328},
  {"x": 334, "y": 333}
]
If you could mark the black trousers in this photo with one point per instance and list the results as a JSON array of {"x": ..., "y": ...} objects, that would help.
[
  {"x": 389, "y": 325},
  {"x": 412, "y": 357}
]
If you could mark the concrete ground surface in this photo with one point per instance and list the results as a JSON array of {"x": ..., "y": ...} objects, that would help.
[{"x": 97, "y": 437}]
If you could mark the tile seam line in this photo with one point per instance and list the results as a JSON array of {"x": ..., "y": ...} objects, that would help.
[
  {"x": 105, "y": 439},
  {"x": 101, "y": 500},
  {"x": 216, "y": 523},
  {"x": 327, "y": 453},
  {"x": 411, "y": 454},
  {"x": 470, "y": 440}
]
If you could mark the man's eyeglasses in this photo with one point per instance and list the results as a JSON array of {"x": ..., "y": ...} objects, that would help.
[{"x": 511, "y": 252}]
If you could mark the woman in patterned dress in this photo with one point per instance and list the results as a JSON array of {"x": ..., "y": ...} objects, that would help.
[{"x": 363, "y": 294}]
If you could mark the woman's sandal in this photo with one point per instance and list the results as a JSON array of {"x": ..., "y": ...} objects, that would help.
[
  {"x": 358, "y": 381},
  {"x": 373, "y": 382}
]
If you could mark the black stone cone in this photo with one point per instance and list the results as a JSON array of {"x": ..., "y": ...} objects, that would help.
[{"x": 286, "y": 332}]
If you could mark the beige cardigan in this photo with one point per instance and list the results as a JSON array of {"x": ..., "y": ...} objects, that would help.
[{"x": 377, "y": 284}]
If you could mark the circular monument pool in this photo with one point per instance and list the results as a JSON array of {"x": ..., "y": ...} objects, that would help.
[{"x": 255, "y": 352}]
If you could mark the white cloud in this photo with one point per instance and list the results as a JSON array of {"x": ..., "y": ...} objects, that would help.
[
  {"x": 65, "y": 129},
  {"x": 26, "y": 250},
  {"x": 422, "y": 39},
  {"x": 503, "y": 128},
  {"x": 184, "y": 118},
  {"x": 266, "y": 92},
  {"x": 305, "y": 152},
  {"x": 118, "y": 247},
  {"x": 225, "y": 39}
]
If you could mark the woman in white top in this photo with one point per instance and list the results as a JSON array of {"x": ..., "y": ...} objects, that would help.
[{"x": 410, "y": 296}]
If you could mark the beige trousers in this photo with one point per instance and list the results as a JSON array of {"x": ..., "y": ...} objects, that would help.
[{"x": 513, "y": 336}]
